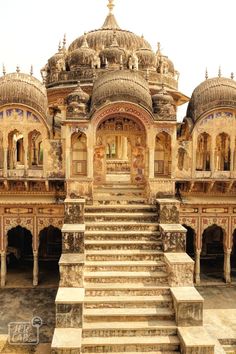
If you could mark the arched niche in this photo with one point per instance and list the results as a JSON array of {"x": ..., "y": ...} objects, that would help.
[
  {"x": 78, "y": 154},
  {"x": 203, "y": 152},
  {"x": 35, "y": 149},
  {"x": 163, "y": 159},
  {"x": 222, "y": 153}
]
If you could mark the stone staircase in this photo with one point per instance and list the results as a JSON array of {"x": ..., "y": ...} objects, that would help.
[{"x": 127, "y": 306}]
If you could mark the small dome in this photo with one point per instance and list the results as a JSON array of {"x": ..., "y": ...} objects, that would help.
[
  {"x": 57, "y": 61},
  {"x": 77, "y": 95},
  {"x": 83, "y": 56},
  {"x": 163, "y": 104},
  {"x": 24, "y": 89},
  {"x": 113, "y": 54},
  {"x": 162, "y": 97},
  {"x": 210, "y": 94},
  {"x": 121, "y": 86},
  {"x": 146, "y": 58}
]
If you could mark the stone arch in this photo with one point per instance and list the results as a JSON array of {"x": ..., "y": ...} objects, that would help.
[
  {"x": 79, "y": 154},
  {"x": 16, "y": 149},
  {"x": 163, "y": 155},
  {"x": 203, "y": 152},
  {"x": 222, "y": 153},
  {"x": 35, "y": 152}
]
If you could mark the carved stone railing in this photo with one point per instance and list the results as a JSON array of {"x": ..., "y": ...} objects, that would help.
[{"x": 118, "y": 166}]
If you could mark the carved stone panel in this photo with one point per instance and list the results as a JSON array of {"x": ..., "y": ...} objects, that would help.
[
  {"x": 168, "y": 210},
  {"x": 73, "y": 242},
  {"x": 69, "y": 315},
  {"x": 180, "y": 269},
  {"x": 71, "y": 275},
  {"x": 74, "y": 213},
  {"x": 173, "y": 237}
]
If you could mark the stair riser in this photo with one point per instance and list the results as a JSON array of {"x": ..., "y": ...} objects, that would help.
[
  {"x": 128, "y": 318},
  {"x": 128, "y": 332},
  {"x": 124, "y": 237},
  {"x": 128, "y": 268},
  {"x": 144, "y": 247},
  {"x": 118, "y": 201},
  {"x": 122, "y": 227},
  {"x": 120, "y": 209},
  {"x": 124, "y": 257},
  {"x": 124, "y": 218},
  {"x": 123, "y": 305},
  {"x": 128, "y": 292},
  {"x": 130, "y": 348},
  {"x": 145, "y": 281}
]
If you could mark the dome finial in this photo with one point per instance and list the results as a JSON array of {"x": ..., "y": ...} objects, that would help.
[
  {"x": 59, "y": 46},
  {"x": 64, "y": 41},
  {"x": 114, "y": 40},
  {"x": 85, "y": 42},
  {"x": 110, "y": 5},
  {"x": 159, "y": 48},
  {"x": 17, "y": 69},
  {"x": 219, "y": 72},
  {"x": 206, "y": 74},
  {"x": 232, "y": 75},
  {"x": 31, "y": 70},
  {"x": 4, "y": 69}
]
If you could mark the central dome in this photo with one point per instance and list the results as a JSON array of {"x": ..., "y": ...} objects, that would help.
[{"x": 103, "y": 37}]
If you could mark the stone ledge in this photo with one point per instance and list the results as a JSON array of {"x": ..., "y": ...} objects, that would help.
[
  {"x": 188, "y": 304},
  {"x": 195, "y": 340},
  {"x": 71, "y": 258},
  {"x": 172, "y": 228},
  {"x": 74, "y": 201},
  {"x": 70, "y": 296},
  {"x": 169, "y": 201},
  {"x": 67, "y": 338},
  {"x": 180, "y": 269},
  {"x": 73, "y": 228}
]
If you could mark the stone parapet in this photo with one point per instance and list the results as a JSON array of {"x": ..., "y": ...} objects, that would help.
[
  {"x": 71, "y": 267},
  {"x": 74, "y": 211},
  {"x": 173, "y": 237},
  {"x": 195, "y": 340},
  {"x": 73, "y": 238},
  {"x": 188, "y": 304},
  {"x": 66, "y": 341},
  {"x": 168, "y": 210},
  {"x": 180, "y": 269},
  {"x": 69, "y": 307}
]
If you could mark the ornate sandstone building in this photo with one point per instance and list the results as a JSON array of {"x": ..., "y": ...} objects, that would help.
[{"x": 96, "y": 173}]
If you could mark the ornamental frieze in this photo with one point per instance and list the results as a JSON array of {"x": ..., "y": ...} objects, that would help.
[
  {"x": 209, "y": 221},
  {"x": 10, "y": 223},
  {"x": 44, "y": 222}
]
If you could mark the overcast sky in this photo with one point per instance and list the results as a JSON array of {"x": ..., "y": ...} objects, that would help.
[{"x": 195, "y": 34}]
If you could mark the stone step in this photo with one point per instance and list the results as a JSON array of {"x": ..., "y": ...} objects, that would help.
[
  {"x": 121, "y": 200},
  {"x": 119, "y": 266},
  {"x": 134, "y": 328},
  {"x": 123, "y": 235},
  {"x": 121, "y": 226},
  {"x": 146, "y": 344},
  {"x": 158, "y": 278},
  {"x": 125, "y": 255},
  {"x": 114, "y": 289},
  {"x": 121, "y": 192},
  {"x": 127, "y": 301},
  {"x": 122, "y": 245},
  {"x": 128, "y": 314},
  {"x": 117, "y": 208},
  {"x": 123, "y": 216}
]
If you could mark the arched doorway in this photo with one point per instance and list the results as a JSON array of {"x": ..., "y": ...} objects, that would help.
[
  {"x": 49, "y": 253},
  {"x": 19, "y": 257},
  {"x": 233, "y": 257},
  {"x": 190, "y": 241},
  {"x": 212, "y": 254},
  {"x": 120, "y": 151}
]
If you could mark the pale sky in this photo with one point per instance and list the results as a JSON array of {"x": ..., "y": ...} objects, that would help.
[{"x": 194, "y": 34}]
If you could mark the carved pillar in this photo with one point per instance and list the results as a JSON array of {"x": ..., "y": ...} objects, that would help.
[
  {"x": 68, "y": 154},
  {"x": 151, "y": 162},
  {"x": 90, "y": 162},
  {"x": 35, "y": 269},
  {"x": 5, "y": 152},
  {"x": 213, "y": 148},
  {"x": 227, "y": 267},
  {"x": 3, "y": 268},
  {"x": 197, "y": 266},
  {"x": 232, "y": 151},
  {"x": 194, "y": 155},
  {"x": 26, "y": 148}
]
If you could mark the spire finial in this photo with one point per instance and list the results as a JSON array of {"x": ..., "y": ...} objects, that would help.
[
  {"x": 59, "y": 46},
  {"x": 64, "y": 41},
  {"x": 114, "y": 40},
  {"x": 4, "y": 69},
  {"x": 159, "y": 48},
  {"x": 85, "y": 42},
  {"x": 110, "y": 5},
  {"x": 17, "y": 69},
  {"x": 232, "y": 75},
  {"x": 31, "y": 70},
  {"x": 206, "y": 74},
  {"x": 219, "y": 72}
]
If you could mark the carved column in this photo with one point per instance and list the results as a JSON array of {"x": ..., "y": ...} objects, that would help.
[
  {"x": 213, "y": 148},
  {"x": 68, "y": 155},
  {"x": 197, "y": 266},
  {"x": 227, "y": 267},
  {"x": 35, "y": 269},
  {"x": 26, "y": 148},
  {"x": 232, "y": 152},
  {"x": 151, "y": 162},
  {"x": 5, "y": 152},
  {"x": 3, "y": 268}
]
